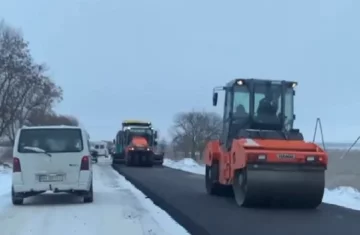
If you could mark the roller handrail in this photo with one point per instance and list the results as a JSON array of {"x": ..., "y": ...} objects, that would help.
[
  {"x": 318, "y": 124},
  {"x": 348, "y": 150}
]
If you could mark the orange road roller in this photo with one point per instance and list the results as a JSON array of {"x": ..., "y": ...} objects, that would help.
[{"x": 260, "y": 156}]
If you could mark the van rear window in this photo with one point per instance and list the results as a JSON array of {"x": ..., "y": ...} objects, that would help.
[{"x": 51, "y": 140}]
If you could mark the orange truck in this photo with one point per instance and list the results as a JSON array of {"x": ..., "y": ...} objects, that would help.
[
  {"x": 261, "y": 157},
  {"x": 134, "y": 144}
]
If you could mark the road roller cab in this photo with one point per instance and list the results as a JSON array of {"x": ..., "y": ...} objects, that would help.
[{"x": 260, "y": 156}]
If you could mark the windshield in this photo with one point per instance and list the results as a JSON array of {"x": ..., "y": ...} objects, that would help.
[
  {"x": 267, "y": 103},
  {"x": 141, "y": 132},
  {"x": 51, "y": 140}
]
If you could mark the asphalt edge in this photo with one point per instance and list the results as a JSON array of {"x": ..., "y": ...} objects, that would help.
[{"x": 176, "y": 214}]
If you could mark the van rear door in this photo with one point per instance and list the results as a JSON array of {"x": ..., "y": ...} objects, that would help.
[
  {"x": 67, "y": 151},
  {"x": 68, "y": 165},
  {"x": 64, "y": 149}
]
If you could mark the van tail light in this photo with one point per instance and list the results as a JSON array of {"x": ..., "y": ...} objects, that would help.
[
  {"x": 85, "y": 163},
  {"x": 16, "y": 165}
]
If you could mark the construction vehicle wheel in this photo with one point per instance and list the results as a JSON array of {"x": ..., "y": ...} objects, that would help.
[
  {"x": 240, "y": 187},
  {"x": 211, "y": 180},
  {"x": 128, "y": 161},
  {"x": 241, "y": 192}
]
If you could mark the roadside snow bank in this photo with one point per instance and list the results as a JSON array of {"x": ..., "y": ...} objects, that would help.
[
  {"x": 342, "y": 196},
  {"x": 186, "y": 164},
  {"x": 5, "y": 180}
]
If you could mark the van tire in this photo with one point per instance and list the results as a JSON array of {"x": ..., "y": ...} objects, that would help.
[
  {"x": 89, "y": 197},
  {"x": 16, "y": 200}
]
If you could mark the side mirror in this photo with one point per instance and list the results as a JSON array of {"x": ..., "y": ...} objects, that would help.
[
  {"x": 215, "y": 98},
  {"x": 155, "y": 134},
  {"x": 155, "y": 143},
  {"x": 113, "y": 141}
]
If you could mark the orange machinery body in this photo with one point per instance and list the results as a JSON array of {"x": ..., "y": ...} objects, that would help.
[
  {"x": 262, "y": 171},
  {"x": 246, "y": 151},
  {"x": 138, "y": 152}
]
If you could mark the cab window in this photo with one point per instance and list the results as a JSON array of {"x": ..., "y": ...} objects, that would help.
[{"x": 241, "y": 105}]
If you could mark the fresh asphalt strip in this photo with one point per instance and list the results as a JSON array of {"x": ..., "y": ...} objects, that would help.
[{"x": 182, "y": 195}]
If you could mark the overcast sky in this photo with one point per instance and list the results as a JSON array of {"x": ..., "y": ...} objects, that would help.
[{"x": 148, "y": 60}]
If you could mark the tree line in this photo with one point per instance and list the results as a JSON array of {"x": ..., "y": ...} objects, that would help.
[{"x": 28, "y": 95}]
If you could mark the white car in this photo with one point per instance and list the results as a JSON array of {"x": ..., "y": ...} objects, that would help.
[{"x": 51, "y": 158}]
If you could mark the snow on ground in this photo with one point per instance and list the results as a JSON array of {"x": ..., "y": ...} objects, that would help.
[
  {"x": 118, "y": 208},
  {"x": 343, "y": 196}
]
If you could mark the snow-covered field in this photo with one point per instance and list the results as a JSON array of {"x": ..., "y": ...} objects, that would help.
[
  {"x": 341, "y": 196},
  {"x": 118, "y": 208}
]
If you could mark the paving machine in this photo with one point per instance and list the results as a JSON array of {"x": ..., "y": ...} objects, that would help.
[
  {"x": 134, "y": 144},
  {"x": 260, "y": 156}
]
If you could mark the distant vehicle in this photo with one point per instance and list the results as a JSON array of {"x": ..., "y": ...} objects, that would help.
[
  {"x": 94, "y": 155},
  {"x": 135, "y": 143},
  {"x": 51, "y": 158},
  {"x": 101, "y": 148}
]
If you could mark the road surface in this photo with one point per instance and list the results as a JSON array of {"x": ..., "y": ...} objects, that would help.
[{"x": 183, "y": 196}]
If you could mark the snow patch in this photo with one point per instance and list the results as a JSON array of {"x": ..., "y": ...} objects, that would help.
[
  {"x": 160, "y": 216},
  {"x": 342, "y": 196},
  {"x": 186, "y": 164},
  {"x": 118, "y": 207}
]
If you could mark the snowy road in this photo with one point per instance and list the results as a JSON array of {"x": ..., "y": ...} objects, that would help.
[{"x": 118, "y": 208}]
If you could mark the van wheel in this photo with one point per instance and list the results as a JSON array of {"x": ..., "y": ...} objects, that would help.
[
  {"x": 16, "y": 200},
  {"x": 89, "y": 195}
]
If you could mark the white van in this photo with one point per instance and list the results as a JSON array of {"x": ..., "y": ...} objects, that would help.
[
  {"x": 101, "y": 148},
  {"x": 51, "y": 158}
]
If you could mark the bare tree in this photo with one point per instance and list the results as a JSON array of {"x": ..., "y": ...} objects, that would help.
[
  {"x": 39, "y": 117},
  {"x": 162, "y": 145},
  {"x": 192, "y": 130},
  {"x": 24, "y": 86},
  {"x": 15, "y": 74},
  {"x": 27, "y": 94}
]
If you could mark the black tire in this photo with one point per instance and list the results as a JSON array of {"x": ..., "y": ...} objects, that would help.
[
  {"x": 90, "y": 195},
  {"x": 212, "y": 180},
  {"x": 240, "y": 189},
  {"x": 16, "y": 200},
  {"x": 128, "y": 161}
]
